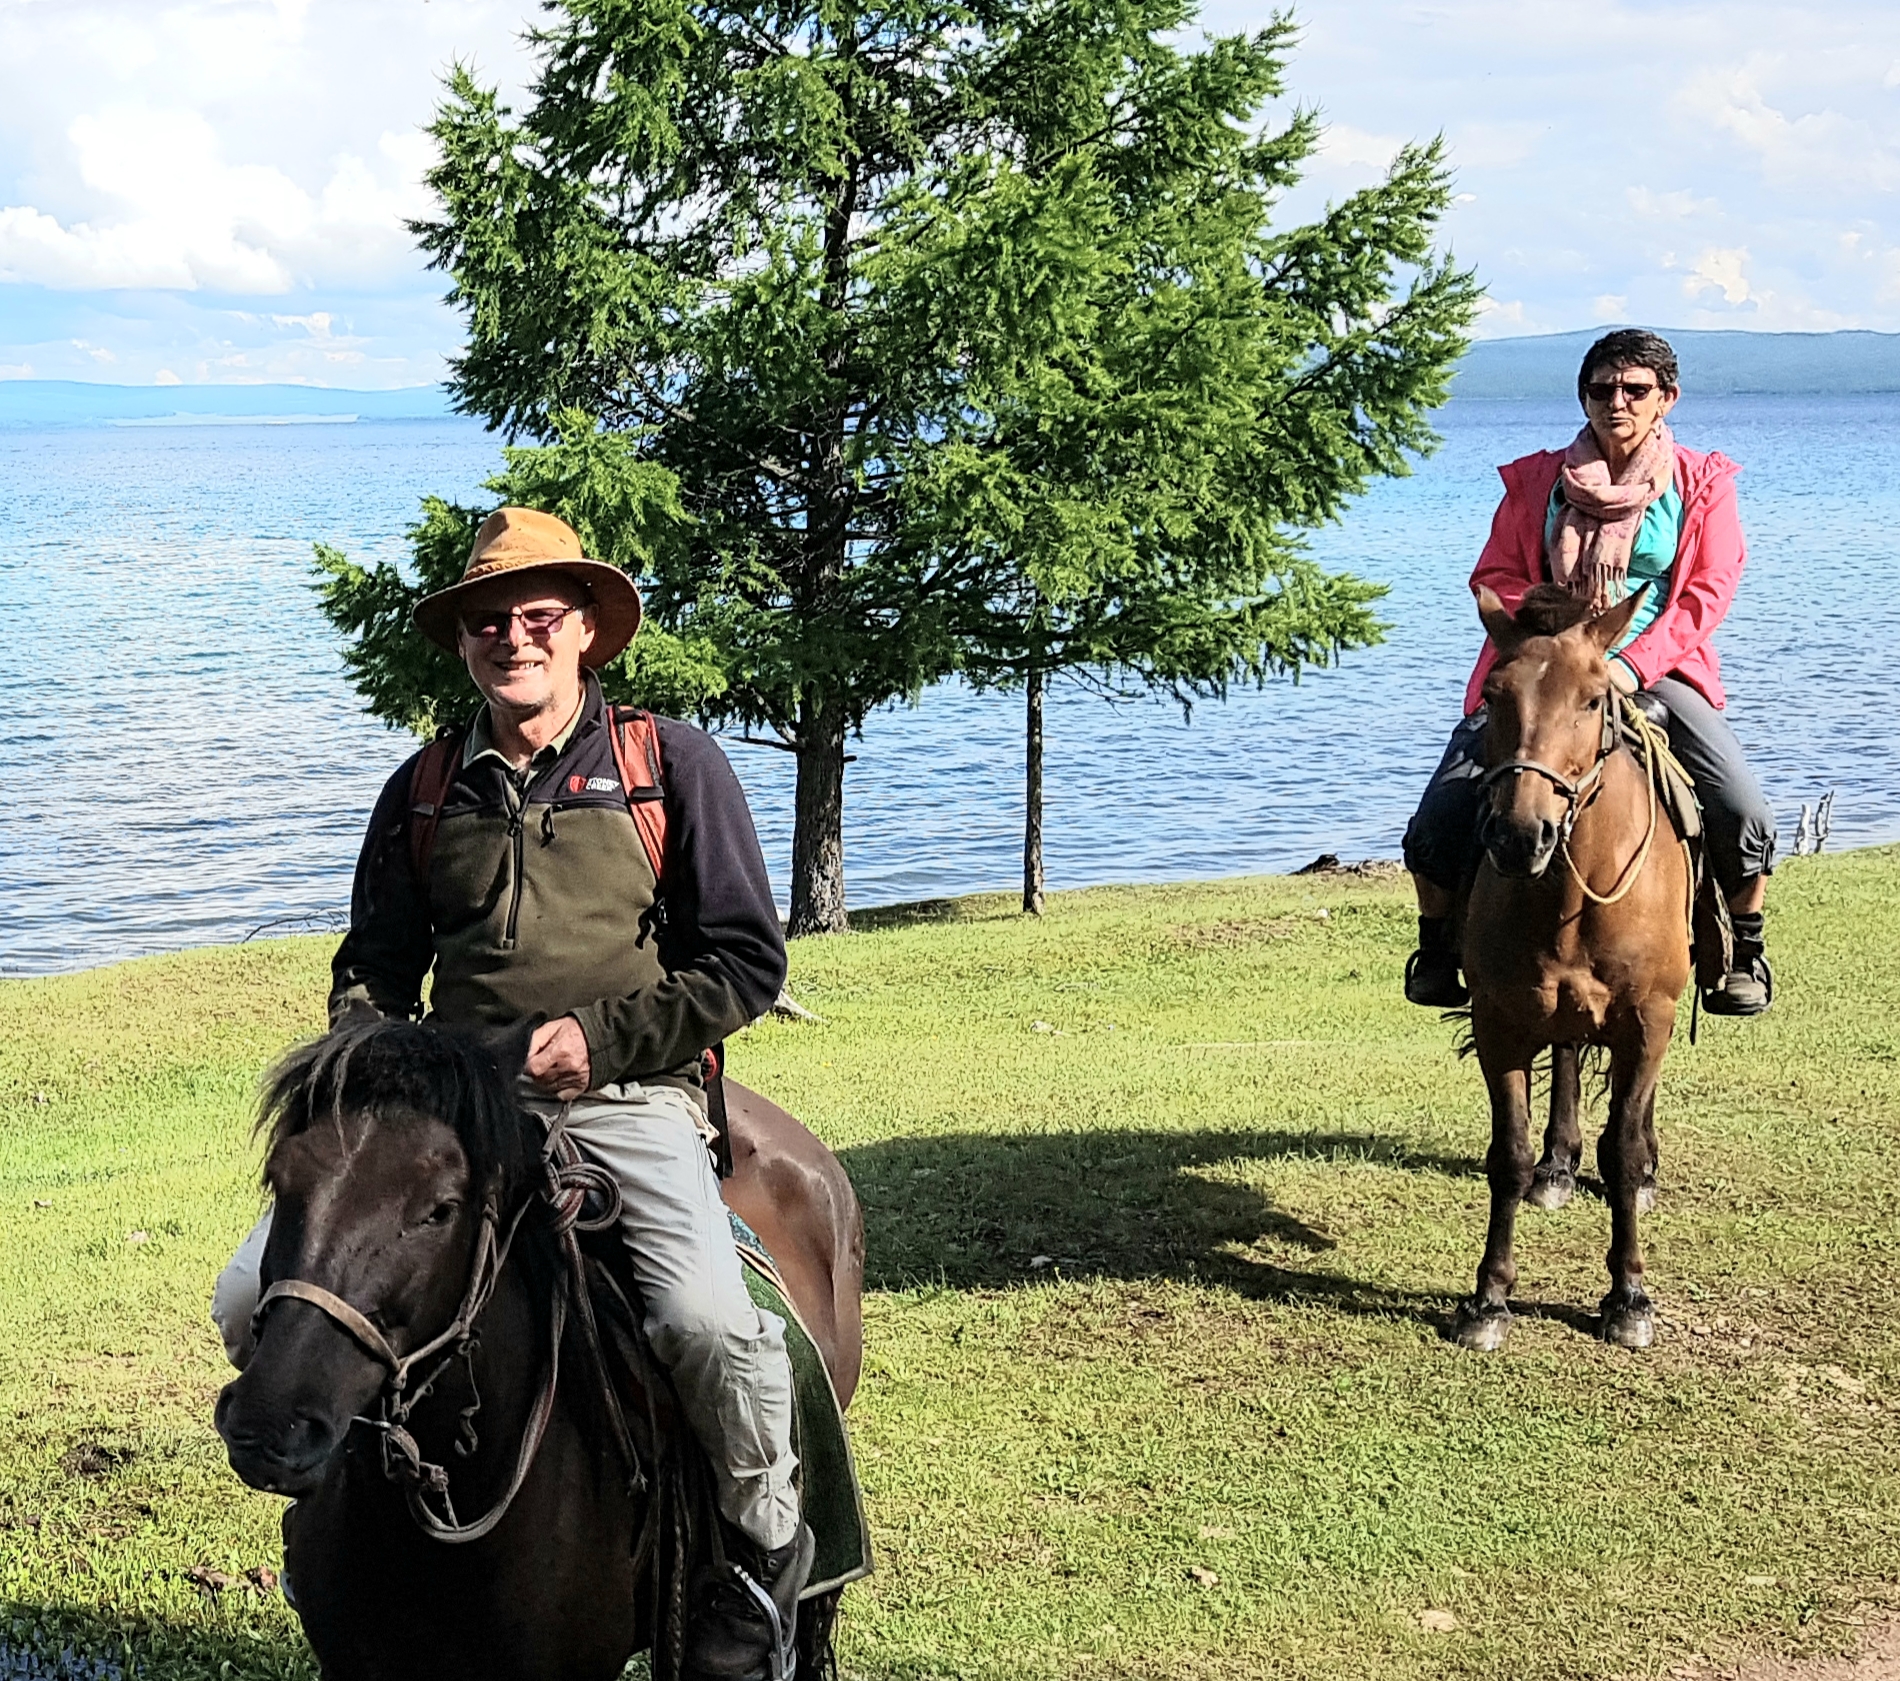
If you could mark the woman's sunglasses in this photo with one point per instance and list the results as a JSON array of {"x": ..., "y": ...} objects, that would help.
[
  {"x": 1605, "y": 390},
  {"x": 536, "y": 621}
]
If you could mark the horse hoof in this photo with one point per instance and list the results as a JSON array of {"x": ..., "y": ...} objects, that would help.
[
  {"x": 1646, "y": 1196},
  {"x": 1483, "y": 1329},
  {"x": 1552, "y": 1193},
  {"x": 1628, "y": 1327}
]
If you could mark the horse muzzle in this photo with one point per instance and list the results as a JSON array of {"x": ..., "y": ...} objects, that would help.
[
  {"x": 279, "y": 1451},
  {"x": 1521, "y": 851}
]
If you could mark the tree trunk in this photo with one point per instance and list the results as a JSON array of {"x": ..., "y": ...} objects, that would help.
[
  {"x": 1032, "y": 798},
  {"x": 818, "y": 824}
]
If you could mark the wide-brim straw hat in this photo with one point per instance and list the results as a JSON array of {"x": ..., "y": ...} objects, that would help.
[{"x": 526, "y": 540}]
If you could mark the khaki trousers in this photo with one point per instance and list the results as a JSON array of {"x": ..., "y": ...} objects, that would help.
[{"x": 727, "y": 1358}]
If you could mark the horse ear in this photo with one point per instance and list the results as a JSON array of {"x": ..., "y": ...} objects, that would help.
[
  {"x": 1498, "y": 623},
  {"x": 509, "y": 1046},
  {"x": 1607, "y": 628}
]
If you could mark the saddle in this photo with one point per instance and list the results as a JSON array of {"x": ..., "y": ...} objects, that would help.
[
  {"x": 1642, "y": 725},
  {"x": 658, "y": 1450}
]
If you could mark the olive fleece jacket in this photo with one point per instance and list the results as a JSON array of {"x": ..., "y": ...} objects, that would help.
[{"x": 541, "y": 902}]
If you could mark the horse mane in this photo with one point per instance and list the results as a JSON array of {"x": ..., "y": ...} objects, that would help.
[
  {"x": 1549, "y": 610},
  {"x": 366, "y": 1063}
]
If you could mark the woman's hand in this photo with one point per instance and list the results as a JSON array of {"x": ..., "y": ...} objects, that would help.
[
  {"x": 1622, "y": 679},
  {"x": 558, "y": 1060}
]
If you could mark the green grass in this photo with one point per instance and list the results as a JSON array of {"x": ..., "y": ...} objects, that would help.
[{"x": 1168, "y": 1196}]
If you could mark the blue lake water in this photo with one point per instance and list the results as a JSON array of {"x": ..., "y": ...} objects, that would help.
[{"x": 189, "y": 762}]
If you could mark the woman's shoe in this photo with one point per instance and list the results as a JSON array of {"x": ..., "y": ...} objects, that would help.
[
  {"x": 1431, "y": 978},
  {"x": 1746, "y": 990}
]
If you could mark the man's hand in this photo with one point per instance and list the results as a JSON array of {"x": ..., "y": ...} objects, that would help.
[
  {"x": 1622, "y": 679},
  {"x": 557, "y": 1058}
]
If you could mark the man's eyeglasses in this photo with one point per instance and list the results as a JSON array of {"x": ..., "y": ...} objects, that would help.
[
  {"x": 536, "y": 621},
  {"x": 1605, "y": 390}
]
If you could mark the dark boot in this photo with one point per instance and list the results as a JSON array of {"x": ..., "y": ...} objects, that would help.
[
  {"x": 746, "y": 1623},
  {"x": 1431, "y": 972},
  {"x": 1749, "y": 986}
]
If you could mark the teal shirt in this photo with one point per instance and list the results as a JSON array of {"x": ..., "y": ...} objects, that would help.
[{"x": 1652, "y": 556}]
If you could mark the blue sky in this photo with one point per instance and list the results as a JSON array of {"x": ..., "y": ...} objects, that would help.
[{"x": 214, "y": 190}]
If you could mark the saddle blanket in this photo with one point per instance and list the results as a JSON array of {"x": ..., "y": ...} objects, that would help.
[{"x": 828, "y": 1476}]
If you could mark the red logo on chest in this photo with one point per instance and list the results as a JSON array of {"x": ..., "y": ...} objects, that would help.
[{"x": 577, "y": 784}]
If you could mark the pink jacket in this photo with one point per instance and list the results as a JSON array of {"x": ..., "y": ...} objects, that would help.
[{"x": 1709, "y": 561}]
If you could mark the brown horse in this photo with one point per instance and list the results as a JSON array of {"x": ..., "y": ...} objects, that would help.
[
  {"x": 1576, "y": 932},
  {"x": 495, "y": 1523}
]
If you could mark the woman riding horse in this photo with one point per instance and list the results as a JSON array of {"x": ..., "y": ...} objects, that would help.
[{"x": 1622, "y": 507}]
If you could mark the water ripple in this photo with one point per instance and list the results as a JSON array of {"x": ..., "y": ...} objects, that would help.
[{"x": 193, "y": 763}]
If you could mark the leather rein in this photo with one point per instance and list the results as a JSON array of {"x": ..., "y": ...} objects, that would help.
[
  {"x": 1580, "y": 793},
  {"x": 570, "y": 1184}
]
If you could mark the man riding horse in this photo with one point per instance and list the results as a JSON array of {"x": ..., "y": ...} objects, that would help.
[
  {"x": 1623, "y": 507},
  {"x": 534, "y": 898}
]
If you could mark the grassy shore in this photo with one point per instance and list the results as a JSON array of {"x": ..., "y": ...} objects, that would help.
[{"x": 1168, "y": 1198}]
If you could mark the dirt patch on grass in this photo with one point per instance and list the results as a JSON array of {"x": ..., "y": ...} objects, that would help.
[
  {"x": 93, "y": 1459},
  {"x": 1246, "y": 931}
]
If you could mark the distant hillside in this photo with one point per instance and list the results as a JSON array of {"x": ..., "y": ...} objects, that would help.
[
  {"x": 1718, "y": 364},
  {"x": 66, "y": 402}
]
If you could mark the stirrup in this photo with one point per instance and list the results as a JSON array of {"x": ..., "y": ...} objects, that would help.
[{"x": 781, "y": 1658}]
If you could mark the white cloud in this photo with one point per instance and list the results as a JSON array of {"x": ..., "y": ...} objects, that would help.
[
  {"x": 166, "y": 160},
  {"x": 160, "y": 159},
  {"x": 165, "y": 376},
  {"x": 1611, "y": 306},
  {"x": 1675, "y": 206},
  {"x": 1769, "y": 309},
  {"x": 1500, "y": 318},
  {"x": 1826, "y": 150},
  {"x": 16, "y": 370},
  {"x": 188, "y": 220},
  {"x": 1343, "y": 146},
  {"x": 1720, "y": 271}
]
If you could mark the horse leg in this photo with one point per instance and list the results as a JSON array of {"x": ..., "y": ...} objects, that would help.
[
  {"x": 1646, "y": 1191},
  {"x": 1623, "y": 1157},
  {"x": 1485, "y": 1320},
  {"x": 1555, "y": 1179}
]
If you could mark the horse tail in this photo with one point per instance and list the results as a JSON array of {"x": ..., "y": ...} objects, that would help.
[{"x": 817, "y": 1623}]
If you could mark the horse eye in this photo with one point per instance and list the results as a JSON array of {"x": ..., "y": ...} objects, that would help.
[
  {"x": 1596, "y": 704},
  {"x": 442, "y": 1214}
]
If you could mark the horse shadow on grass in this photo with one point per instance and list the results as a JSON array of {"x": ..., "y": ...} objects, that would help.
[
  {"x": 981, "y": 1211},
  {"x": 42, "y": 1642}
]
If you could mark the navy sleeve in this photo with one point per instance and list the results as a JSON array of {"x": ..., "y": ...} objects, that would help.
[{"x": 389, "y": 948}]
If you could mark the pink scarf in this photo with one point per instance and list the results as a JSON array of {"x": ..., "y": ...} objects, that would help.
[{"x": 1589, "y": 551}]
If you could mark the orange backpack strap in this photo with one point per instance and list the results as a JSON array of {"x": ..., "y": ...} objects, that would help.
[
  {"x": 428, "y": 786},
  {"x": 636, "y": 740}
]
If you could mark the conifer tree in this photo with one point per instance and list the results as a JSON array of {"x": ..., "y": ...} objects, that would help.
[{"x": 960, "y": 329}]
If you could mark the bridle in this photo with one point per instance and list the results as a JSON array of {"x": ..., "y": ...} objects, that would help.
[
  {"x": 582, "y": 1198},
  {"x": 1578, "y": 795}
]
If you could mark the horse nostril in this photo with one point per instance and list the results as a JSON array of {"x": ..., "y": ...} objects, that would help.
[{"x": 310, "y": 1439}]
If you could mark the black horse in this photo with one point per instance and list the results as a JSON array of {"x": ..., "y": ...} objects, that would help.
[{"x": 432, "y": 1386}]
